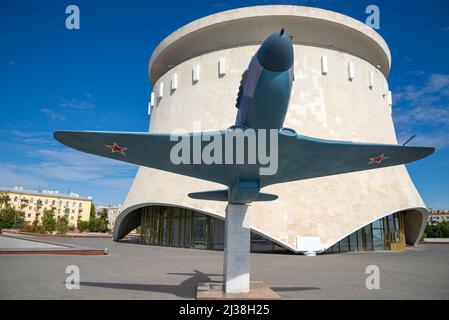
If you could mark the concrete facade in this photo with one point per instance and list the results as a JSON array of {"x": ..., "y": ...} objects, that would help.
[{"x": 340, "y": 92}]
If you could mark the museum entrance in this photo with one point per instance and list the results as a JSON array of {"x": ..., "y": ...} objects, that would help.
[{"x": 179, "y": 227}]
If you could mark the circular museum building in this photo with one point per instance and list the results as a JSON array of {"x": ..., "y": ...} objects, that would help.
[{"x": 340, "y": 92}]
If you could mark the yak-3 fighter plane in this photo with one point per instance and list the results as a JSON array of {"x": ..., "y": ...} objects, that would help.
[{"x": 262, "y": 104}]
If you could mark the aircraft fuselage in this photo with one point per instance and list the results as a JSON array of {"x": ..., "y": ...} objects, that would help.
[{"x": 266, "y": 87}]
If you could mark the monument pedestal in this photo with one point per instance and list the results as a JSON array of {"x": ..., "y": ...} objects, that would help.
[
  {"x": 237, "y": 263},
  {"x": 215, "y": 291},
  {"x": 237, "y": 246}
]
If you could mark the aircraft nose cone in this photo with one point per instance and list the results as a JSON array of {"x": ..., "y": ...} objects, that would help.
[{"x": 276, "y": 53}]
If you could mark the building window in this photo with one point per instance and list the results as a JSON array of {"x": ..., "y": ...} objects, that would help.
[
  {"x": 174, "y": 82},
  {"x": 221, "y": 67},
  {"x": 161, "y": 90},
  {"x": 196, "y": 73},
  {"x": 179, "y": 227},
  {"x": 383, "y": 234},
  {"x": 324, "y": 65},
  {"x": 351, "y": 73}
]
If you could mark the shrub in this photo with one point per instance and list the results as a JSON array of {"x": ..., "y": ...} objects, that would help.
[
  {"x": 83, "y": 225},
  {"x": 97, "y": 225},
  {"x": 25, "y": 227},
  {"x": 19, "y": 223},
  {"x": 440, "y": 230},
  {"x": 34, "y": 227}
]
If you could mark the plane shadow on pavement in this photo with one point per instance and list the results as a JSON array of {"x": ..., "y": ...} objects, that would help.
[{"x": 186, "y": 289}]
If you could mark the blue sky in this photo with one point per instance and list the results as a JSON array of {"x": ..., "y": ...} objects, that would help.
[{"x": 96, "y": 78}]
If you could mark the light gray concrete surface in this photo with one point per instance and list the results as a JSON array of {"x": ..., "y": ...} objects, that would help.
[
  {"x": 14, "y": 243},
  {"x": 237, "y": 243},
  {"x": 133, "y": 271}
]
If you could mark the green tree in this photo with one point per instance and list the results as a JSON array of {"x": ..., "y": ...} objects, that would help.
[
  {"x": 93, "y": 212},
  {"x": 62, "y": 225},
  {"x": 8, "y": 217},
  {"x": 48, "y": 220},
  {"x": 4, "y": 200},
  {"x": 445, "y": 229},
  {"x": 99, "y": 224},
  {"x": 104, "y": 216}
]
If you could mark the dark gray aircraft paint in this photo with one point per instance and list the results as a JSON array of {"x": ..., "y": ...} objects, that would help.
[{"x": 262, "y": 103}]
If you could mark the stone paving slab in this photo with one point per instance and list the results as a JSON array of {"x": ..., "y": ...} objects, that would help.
[
  {"x": 24, "y": 244},
  {"x": 16, "y": 243}
]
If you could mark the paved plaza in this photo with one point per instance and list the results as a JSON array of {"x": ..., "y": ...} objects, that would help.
[{"x": 132, "y": 271}]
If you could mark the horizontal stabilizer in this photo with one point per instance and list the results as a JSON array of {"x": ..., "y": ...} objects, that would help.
[
  {"x": 266, "y": 197},
  {"x": 216, "y": 195},
  {"x": 222, "y": 195}
]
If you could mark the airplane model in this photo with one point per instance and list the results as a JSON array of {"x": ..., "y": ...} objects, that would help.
[{"x": 262, "y": 104}]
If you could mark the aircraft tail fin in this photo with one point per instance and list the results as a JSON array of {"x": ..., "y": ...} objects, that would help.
[{"x": 222, "y": 195}]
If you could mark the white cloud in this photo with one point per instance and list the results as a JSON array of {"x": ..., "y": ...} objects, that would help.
[
  {"x": 9, "y": 177},
  {"x": 79, "y": 104},
  {"x": 23, "y": 134},
  {"x": 424, "y": 111},
  {"x": 49, "y": 167},
  {"x": 53, "y": 115}
]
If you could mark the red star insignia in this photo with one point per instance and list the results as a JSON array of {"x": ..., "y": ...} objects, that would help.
[
  {"x": 116, "y": 148},
  {"x": 378, "y": 159}
]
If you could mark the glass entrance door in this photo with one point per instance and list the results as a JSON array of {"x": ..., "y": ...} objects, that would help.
[{"x": 199, "y": 231}]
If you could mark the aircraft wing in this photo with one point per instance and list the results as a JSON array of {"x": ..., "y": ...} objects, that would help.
[
  {"x": 149, "y": 150},
  {"x": 302, "y": 157},
  {"x": 299, "y": 157}
]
